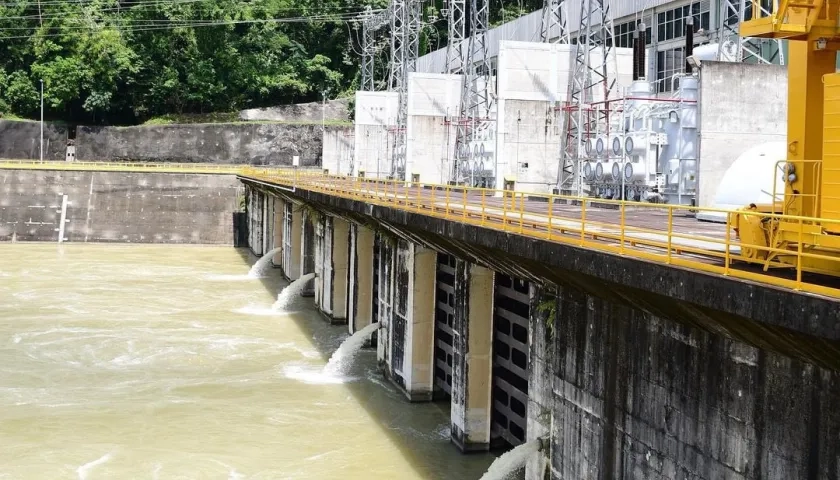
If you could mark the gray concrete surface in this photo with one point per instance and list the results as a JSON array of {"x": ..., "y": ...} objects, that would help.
[
  {"x": 741, "y": 106},
  {"x": 118, "y": 207},
  {"x": 334, "y": 110},
  {"x": 20, "y": 140},
  {"x": 248, "y": 143}
]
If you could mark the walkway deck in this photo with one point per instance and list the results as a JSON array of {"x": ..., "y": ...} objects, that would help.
[{"x": 663, "y": 234}]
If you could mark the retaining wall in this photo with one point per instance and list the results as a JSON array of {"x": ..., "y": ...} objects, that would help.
[{"x": 118, "y": 207}]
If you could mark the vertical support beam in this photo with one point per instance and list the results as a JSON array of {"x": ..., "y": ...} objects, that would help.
[
  {"x": 266, "y": 223},
  {"x": 360, "y": 302},
  {"x": 340, "y": 268},
  {"x": 472, "y": 372},
  {"x": 541, "y": 321},
  {"x": 292, "y": 270},
  {"x": 331, "y": 265},
  {"x": 279, "y": 226},
  {"x": 320, "y": 285},
  {"x": 418, "y": 365},
  {"x": 385, "y": 298},
  {"x": 307, "y": 249},
  {"x": 806, "y": 67}
]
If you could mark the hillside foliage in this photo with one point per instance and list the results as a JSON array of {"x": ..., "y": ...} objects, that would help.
[{"x": 124, "y": 61}]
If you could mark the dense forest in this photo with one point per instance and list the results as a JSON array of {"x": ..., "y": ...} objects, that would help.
[{"x": 125, "y": 61}]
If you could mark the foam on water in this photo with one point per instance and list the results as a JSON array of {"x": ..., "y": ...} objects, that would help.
[
  {"x": 512, "y": 461},
  {"x": 313, "y": 376},
  {"x": 258, "y": 269},
  {"x": 84, "y": 470},
  {"x": 291, "y": 292},
  {"x": 342, "y": 358},
  {"x": 259, "y": 310}
]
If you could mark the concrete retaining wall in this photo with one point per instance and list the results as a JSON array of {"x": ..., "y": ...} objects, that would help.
[
  {"x": 118, "y": 207},
  {"x": 741, "y": 106},
  {"x": 250, "y": 143},
  {"x": 20, "y": 140}
]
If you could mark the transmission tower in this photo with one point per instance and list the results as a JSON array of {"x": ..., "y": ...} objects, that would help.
[
  {"x": 456, "y": 23},
  {"x": 590, "y": 76},
  {"x": 554, "y": 20},
  {"x": 733, "y": 48},
  {"x": 372, "y": 20},
  {"x": 405, "y": 43},
  {"x": 477, "y": 98}
]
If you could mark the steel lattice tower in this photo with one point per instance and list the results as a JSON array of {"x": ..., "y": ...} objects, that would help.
[
  {"x": 732, "y": 48},
  {"x": 372, "y": 20},
  {"x": 477, "y": 93},
  {"x": 456, "y": 15},
  {"x": 405, "y": 43},
  {"x": 554, "y": 20},
  {"x": 590, "y": 76}
]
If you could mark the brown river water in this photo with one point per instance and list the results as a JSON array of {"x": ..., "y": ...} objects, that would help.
[{"x": 167, "y": 362}]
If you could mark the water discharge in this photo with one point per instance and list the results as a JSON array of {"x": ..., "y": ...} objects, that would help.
[
  {"x": 259, "y": 268},
  {"x": 340, "y": 360},
  {"x": 512, "y": 461},
  {"x": 106, "y": 374},
  {"x": 291, "y": 292}
]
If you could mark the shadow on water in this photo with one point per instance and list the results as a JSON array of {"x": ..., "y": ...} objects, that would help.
[{"x": 420, "y": 431}]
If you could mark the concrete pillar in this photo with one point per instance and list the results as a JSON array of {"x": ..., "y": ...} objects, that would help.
[
  {"x": 418, "y": 366},
  {"x": 385, "y": 261},
  {"x": 360, "y": 295},
  {"x": 307, "y": 249},
  {"x": 340, "y": 250},
  {"x": 331, "y": 264},
  {"x": 292, "y": 246},
  {"x": 472, "y": 365},
  {"x": 267, "y": 223},
  {"x": 256, "y": 221},
  {"x": 279, "y": 227},
  {"x": 543, "y": 317},
  {"x": 406, "y": 308}
]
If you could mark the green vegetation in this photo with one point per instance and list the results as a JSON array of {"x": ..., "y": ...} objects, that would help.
[{"x": 136, "y": 61}]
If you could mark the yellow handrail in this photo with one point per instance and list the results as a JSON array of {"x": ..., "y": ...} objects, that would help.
[{"x": 653, "y": 235}]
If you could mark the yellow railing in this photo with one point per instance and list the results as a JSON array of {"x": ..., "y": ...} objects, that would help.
[
  {"x": 665, "y": 234},
  {"x": 150, "y": 167}
]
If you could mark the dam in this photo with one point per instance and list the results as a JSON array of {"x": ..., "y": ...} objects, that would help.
[{"x": 608, "y": 341}]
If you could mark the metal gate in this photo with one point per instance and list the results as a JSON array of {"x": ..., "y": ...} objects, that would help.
[
  {"x": 510, "y": 359},
  {"x": 400, "y": 313},
  {"x": 374, "y": 309},
  {"x": 444, "y": 321},
  {"x": 385, "y": 278}
]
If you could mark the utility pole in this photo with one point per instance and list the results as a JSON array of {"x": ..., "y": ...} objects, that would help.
[
  {"x": 42, "y": 119},
  {"x": 323, "y": 109}
]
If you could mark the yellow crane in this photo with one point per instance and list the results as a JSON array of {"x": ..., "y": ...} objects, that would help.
[{"x": 806, "y": 217}]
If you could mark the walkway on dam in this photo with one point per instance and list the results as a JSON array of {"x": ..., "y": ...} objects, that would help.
[{"x": 665, "y": 234}]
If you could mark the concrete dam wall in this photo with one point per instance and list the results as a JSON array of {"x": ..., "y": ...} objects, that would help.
[
  {"x": 620, "y": 368},
  {"x": 118, "y": 207}
]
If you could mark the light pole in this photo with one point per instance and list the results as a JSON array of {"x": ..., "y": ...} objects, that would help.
[
  {"x": 42, "y": 119},
  {"x": 323, "y": 108}
]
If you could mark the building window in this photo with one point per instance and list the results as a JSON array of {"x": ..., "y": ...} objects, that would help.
[
  {"x": 624, "y": 34},
  {"x": 668, "y": 64},
  {"x": 671, "y": 24}
]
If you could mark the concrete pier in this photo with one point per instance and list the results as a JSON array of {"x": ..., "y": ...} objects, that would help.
[
  {"x": 331, "y": 266},
  {"x": 360, "y": 296},
  {"x": 472, "y": 370}
]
